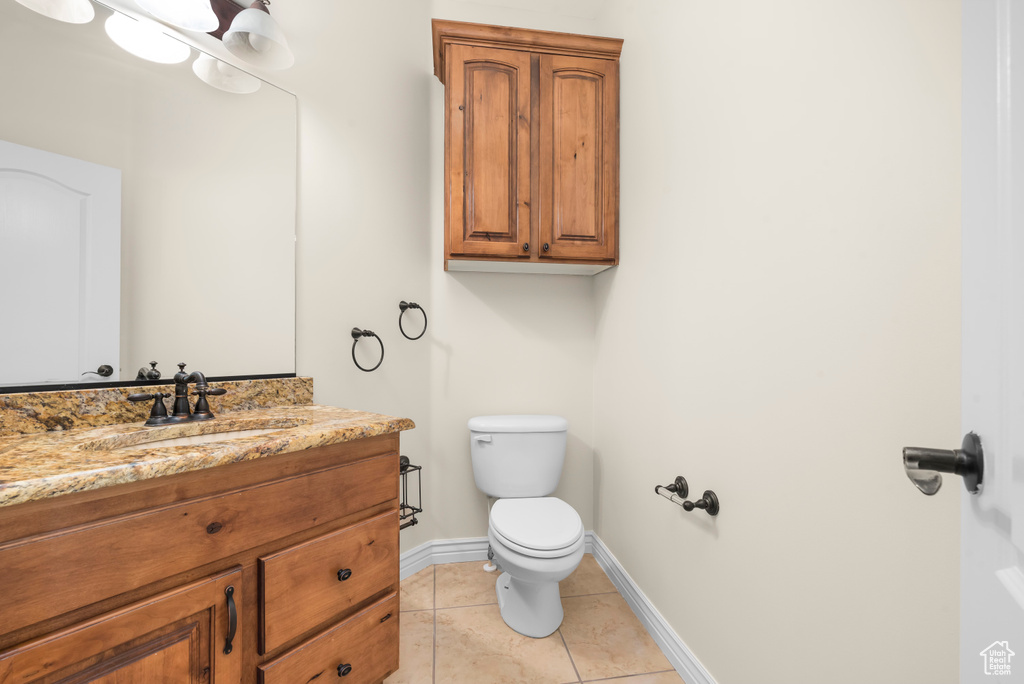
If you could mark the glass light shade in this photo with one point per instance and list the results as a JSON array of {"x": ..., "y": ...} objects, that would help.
[
  {"x": 71, "y": 11},
  {"x": 145, "y": 40},
  {"x": 192, "y": 15},
  {"x": 224, "y": 76},
  {"x": 255, "y": 37}
]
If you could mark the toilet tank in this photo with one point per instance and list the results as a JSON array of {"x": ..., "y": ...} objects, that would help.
[{"x": 517, "y": 456}]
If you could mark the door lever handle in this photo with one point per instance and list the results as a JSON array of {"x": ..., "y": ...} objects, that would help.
[{"x": 923, "y": 466}]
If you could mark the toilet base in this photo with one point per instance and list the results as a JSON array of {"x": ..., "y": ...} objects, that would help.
[{"x": 533, "y": 610}]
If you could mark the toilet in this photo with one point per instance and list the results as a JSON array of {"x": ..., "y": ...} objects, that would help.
[{"x": 537, "y": 539}]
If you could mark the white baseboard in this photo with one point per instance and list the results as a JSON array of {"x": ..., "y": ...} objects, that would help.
[{"x": 441, "y": 551}]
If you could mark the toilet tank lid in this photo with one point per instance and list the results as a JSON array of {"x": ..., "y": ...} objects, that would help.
[{"x": 520, "y": 423}]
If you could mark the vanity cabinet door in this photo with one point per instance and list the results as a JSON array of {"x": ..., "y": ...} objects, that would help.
[
  {"x": 579, "y": 165},
  {"x": 177, "y": 637},
  {"x": 488, "y": 152}
]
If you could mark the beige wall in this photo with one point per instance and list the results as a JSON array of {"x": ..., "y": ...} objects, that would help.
[
  {"x": 785, "y": 319},
  {"x": 370, "y": 235}
]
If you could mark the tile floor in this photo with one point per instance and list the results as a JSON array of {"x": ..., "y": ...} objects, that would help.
[{"x": 452, "y": 633}]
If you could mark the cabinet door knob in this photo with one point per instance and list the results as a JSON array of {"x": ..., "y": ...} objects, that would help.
[
  {"x": 344, "y": 574},
  {"x": 526, "y": 246},
  {"x": 546, "y": 247},
  {"x": 344, "y": 669}
]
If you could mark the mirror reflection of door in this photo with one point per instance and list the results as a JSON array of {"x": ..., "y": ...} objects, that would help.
[{"x": 60, "y": 253}]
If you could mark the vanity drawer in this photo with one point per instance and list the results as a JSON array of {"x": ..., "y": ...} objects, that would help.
[
  {"x": 75, "y": 567},
  {"x": 310, "y": 583},
  {"x": 367, "y": 643}
]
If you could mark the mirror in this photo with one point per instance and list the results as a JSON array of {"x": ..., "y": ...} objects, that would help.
[{"x": 208, "y": 192}]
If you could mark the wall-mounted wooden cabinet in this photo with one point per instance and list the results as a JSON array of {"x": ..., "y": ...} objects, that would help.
[{"x": 531, "y": 149}]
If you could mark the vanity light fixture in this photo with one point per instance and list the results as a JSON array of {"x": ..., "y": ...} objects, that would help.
[
  {"x": 255, "y": 37},
  {"x": 143, "y": 39},
  {"x": 224, "y": 76},
  {"x": 191, "y": 15},
  {"x": 70, "y": 11}
]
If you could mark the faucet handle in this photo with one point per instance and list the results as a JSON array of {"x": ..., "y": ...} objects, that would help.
[
  {"x": 202, "y": 409},
  {"x": 158, "y": 414}
]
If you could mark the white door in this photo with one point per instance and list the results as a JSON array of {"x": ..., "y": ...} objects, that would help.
[
  {"x": 992, "y": 522},
  {"x": 60, "y": 262}
]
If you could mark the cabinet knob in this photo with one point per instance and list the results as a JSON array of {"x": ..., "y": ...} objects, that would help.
[
  {"x": 344, "y": 574},
  {"x": 526, "y": 246},
  {"x": 344, "y": 669},
  {"x": 546, "y": 247}
]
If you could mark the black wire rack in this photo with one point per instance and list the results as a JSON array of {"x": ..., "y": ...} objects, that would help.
[{"x": 407, "y": 511}]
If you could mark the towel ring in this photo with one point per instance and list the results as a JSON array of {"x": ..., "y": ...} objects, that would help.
[
  {"x": 405, "y": 306},
  {"x": 356, "y": 334}
]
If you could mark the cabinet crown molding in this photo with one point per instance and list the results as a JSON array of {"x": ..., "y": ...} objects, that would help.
[{"x": 506, "y": 37}]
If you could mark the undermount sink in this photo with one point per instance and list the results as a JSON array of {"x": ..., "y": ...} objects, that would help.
[{"x": 190, "y": 434}]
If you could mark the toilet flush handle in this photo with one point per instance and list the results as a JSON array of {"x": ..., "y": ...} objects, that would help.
[{"x": 482, "y": 438}]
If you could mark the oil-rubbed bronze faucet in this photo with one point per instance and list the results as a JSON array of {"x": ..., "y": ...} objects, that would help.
[{"x": 182, "y": 411}]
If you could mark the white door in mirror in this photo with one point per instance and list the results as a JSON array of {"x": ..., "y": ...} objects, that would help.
[{"x": 60, "y": 253}]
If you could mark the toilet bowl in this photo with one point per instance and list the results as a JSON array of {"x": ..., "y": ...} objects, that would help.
[
  {"x": 537, "y": 540},
  {"x": 537, "y": 543}
]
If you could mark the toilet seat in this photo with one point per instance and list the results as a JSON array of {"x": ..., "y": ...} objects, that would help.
[{"x": 544, "y": 527}]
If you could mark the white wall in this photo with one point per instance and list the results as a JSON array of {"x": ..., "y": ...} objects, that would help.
[
  {"x": 370, "y": 235},
  {"x": 785, "y": 319}
]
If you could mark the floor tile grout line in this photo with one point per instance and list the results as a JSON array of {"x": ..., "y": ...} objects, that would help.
[
  {"x": 596, "y": 593},
  {"x": 569, "y": 653},
  {"x": 471, "y": 605},
  {"x": 626, "y": 676}
]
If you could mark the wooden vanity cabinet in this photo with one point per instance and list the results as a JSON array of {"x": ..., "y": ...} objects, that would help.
[
  {"x": 146, "y": 582},
  {"x": 531, "y": 148}
]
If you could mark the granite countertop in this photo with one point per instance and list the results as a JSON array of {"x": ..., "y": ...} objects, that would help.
[{"x": 51, "y": 464}]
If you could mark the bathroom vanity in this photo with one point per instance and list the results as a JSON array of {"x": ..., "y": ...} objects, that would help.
[{"x": 266, "y": 550}]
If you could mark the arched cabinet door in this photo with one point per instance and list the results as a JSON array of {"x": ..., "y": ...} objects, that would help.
[
  {"x": 578, "y": 157},
  {"x": 487, "y": 115}
]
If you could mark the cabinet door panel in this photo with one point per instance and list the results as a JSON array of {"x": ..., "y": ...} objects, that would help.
[
  {"x": 578, "y": 157},
  {"x": 488, "y": 111},
  {"x": 175, "y": 637}
]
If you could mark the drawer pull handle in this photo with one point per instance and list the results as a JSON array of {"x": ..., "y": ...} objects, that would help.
[
  {"x": 344, "y": 574},
  {"x": 383, "y": 619},
  {"x": 344, "y": 670},
  {"x": 232, "y": 619}
]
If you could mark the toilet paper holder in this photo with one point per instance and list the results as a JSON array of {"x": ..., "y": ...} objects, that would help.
[{"x": 679, "y": 490}]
